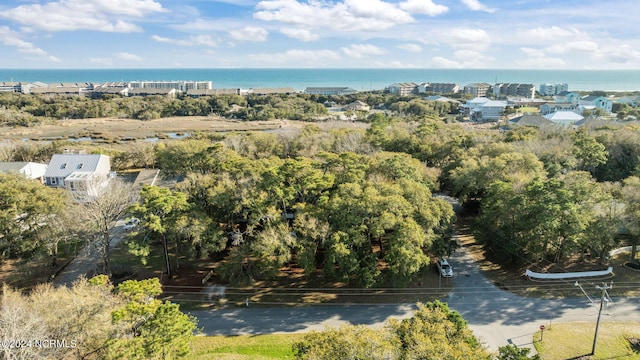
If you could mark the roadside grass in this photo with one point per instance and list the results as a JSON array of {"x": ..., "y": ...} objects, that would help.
[
  {"x": 243, "y": 347},
  {"x": 575, "y": 340}
]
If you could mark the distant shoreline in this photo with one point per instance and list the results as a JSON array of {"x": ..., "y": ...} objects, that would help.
[{"x": 359, "y": 79}]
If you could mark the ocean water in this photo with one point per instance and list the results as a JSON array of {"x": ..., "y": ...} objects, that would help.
[{"x": 359, "y": 79}]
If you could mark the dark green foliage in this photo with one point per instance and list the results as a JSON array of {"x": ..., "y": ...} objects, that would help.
[{"x": 434, "y": 332}]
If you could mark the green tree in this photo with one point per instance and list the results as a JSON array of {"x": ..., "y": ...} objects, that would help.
[
  {"x": 433, "y": 332},
  {"x": 156, "y": 329},
  {"x": 588, "y": 151},
  {"x": 159, "y": 210},
  {"x": 436, "y": 332},
  {"x": 512, "y": 352},
  {"x": 28, "y": 215}
]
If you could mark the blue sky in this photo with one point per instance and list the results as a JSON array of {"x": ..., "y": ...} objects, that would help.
[{"x": 525, "y": 34}]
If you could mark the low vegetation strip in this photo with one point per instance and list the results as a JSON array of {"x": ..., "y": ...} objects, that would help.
[
  {"x": 244, "y": 347},
  {"x": 574, "y": 341}
]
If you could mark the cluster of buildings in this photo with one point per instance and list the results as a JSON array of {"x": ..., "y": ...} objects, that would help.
[
  {"x": 163, "y": 88},
  {"x": 84, "y": 175},
  {"x": 499, "y": 90}
]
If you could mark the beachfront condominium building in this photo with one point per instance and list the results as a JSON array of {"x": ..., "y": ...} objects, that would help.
[
  {"x": 403, "y": 88},
  {"x": 549, "y": 89},
  {"x": 477, "y": 89},
  {"x": 527, "y": 91},
  {"x": 180, "y": 85},
  {"x": 441, "y": 88},
  {"x": 335, "y": 90}
]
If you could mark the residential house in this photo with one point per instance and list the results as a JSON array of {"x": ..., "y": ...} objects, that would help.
[
  {"x": 477, "y": 89},
  {"x": 550, "y": 108},
  {"x": 271, "y": 91},
  {"x": 403, "y": 89},
  {"x": 571, "y": 97},
  {"x": 599, "y": 102},
  {"x": 357, "y": 106},
  {"x": 57, "y": 91},
  {"x": 170, "y": 93},
  {"x": 441, "y": 99},
  {"x": 564, "y": 118},
  {"x": 334, "y": 90},
  {"x": 548, "y": 89},
  {"x": 534, "y": 120},
  {"x": 30, "y": 170},
  {"x": 11, "y": 86},
  {"x": 475, "y": 104},
  {"x": 196, "y": 93},
  {"x": 100, "y": 91},
  {"x": 85, "y": 175},
  {"x": 492, "y": 110},
  {"x": 629, "y": 100}
]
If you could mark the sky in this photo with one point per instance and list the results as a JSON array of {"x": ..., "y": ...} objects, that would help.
[{"x": 484, "y": 34}]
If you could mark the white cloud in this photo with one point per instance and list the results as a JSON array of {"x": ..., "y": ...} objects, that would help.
[
  {"x": 475, "y": 5},
  {"x": 465, "y": 38},
  {"x": 441, "y": 62},
  {"x": 68, "y": 15},
  {"x": 549, "y": 34},
  {"x": 250, "y": 33},
  {"x": 537, "y": 59},
  {"x": 350, "y": 15},
  {"x": 194, "y": 40},
  {"x": 300, "y": 34},
  {"x": 410, "y": 47},
  {"x": 128, "y": 57},
  {"x": 296, "y": 55},
  {"x": 426, "y": 7},
  {"x": 11, "y": 38},
  {"x": 573, "y": 47},
  {"x": 101, "y": 61},
  {"x": 359, "y": 51},
  {"x": 623, "y": 54}
]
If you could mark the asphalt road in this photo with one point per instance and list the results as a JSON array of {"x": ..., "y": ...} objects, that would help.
[{"x": 496, "y": 317}]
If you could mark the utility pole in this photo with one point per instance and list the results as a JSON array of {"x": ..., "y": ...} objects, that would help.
[{"x": 604, "y": 289}]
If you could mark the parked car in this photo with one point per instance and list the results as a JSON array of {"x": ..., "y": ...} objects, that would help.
[
  {"x": 444, "y": 268},
  {"x": 131, "y": 223}
]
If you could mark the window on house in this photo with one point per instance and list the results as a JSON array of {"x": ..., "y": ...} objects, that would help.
[
  {"x": 53, "y": 181},
  {"x": 80, "y": 166},
  {"x": 63, "y": 166}
]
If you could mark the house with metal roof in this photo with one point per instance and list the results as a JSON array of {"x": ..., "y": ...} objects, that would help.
[
  {"x": 599, "y": 102},
  {"x": 534, "y": 120},
  {"x": 564, "y": 118},
  {"x": 85, "y": 175},
  {"x": 30, "y": 170}
]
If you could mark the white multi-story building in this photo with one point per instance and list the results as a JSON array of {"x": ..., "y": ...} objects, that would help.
[
  {"x": 548, "y": 89},
  {"x": 180, "y": 85}
]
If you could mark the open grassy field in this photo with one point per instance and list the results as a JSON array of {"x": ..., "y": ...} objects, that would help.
[
  {"x": 116, "y": 128},
  {"x": 575, "y": 340}
]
